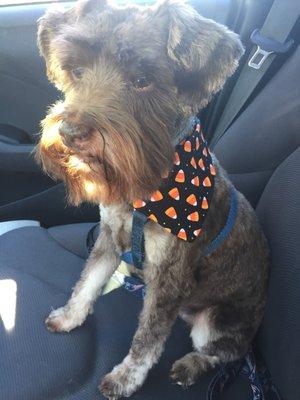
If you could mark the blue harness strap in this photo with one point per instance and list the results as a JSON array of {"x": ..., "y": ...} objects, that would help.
[
  {"x": 137, "y": 238},
  {"x": 127, "y": 257},
  {"x": 136, "y": 255},
  {"x": 251, "y": 368},
  {"x": 135, "y": 286},
  {"x": 224, "y": 233}
]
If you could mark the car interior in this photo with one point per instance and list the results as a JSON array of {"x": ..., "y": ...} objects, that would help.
[{"x": 254, "y": 130}]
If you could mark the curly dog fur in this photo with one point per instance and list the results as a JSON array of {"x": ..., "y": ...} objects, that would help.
[{"x": 131, "y": 78}]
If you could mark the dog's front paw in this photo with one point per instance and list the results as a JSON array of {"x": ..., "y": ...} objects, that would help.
[
  {"x": 121, "y": 382},
  {"x": 110, "y": 387},
  {"x": 189, "y": 368},
  {"x": 181, "y": 374},
  {"x": 62, "y": 320},
  {"x": 185, "y": 371}
]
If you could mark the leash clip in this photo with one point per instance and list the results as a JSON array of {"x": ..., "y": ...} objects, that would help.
[{"x": 265, "y": 47}]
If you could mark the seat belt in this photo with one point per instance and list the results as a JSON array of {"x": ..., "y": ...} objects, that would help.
[{"x": 269, "y": 41}]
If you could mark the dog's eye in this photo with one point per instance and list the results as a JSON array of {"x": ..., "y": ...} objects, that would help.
[
  {"x": 77, "y": 73},
  {"x": 141, "y": 82}
]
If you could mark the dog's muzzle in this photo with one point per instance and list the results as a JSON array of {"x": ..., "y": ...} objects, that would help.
[{"x": 73, "y": 134}]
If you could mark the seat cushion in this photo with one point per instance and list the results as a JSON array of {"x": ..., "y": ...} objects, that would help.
[
  {"x": 72, "y": 237},
  {"x": 36, "y": 364}
]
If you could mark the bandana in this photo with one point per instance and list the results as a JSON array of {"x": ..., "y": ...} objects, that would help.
[{"x": 181, "y": 204}]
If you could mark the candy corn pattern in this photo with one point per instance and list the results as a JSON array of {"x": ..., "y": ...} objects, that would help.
[
  {"x": 193, "y": 162},
  {"x": 187, "y": 146},
  {"x": 174, "y": 193},
  {"x": 171, "y": 212},
  {"x": 139, "y": 203},
  {"x": 181, "y": 204},
  {"x": 201, "y": 164},
  {"x": 207, "y": 182},
  {"x": 212, "y": 170},
  {"x": 176, "y": 158},
  {"x": 156, "y": 196},
  {"x": 191, "y": 199},
  {"x": 204, "y": 204},
  {"x": 182, "y": 234},
  {"x": 195, "y": 181},
  {"x": 153, "y": 218},
  {"x": 193, "y": 217},
  {"x": 180, "y": 177}
]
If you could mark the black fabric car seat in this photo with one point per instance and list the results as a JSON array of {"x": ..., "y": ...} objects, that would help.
[{"x": 261, "y": 153}]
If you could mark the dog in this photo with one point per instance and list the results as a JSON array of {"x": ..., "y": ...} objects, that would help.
[{"x": 132, "y": 78}]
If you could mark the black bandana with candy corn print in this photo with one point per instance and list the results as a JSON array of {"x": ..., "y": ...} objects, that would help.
[{"x": 181, "y": 204}]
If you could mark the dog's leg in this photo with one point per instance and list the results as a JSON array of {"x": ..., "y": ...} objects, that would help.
[
  {"x": 187, "y": 369},
  {"x": 161, "y": 306},
  {"x": 212, "y": 347},
  {"x": 100, "y": 266}
]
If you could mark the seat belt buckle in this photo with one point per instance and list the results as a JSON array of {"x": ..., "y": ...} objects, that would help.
[
  {"x": 265, "y": 47},
  {"x": 258, "y": 58}
]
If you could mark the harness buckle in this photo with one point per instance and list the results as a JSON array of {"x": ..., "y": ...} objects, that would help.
[{"x": 265, "y": 47}]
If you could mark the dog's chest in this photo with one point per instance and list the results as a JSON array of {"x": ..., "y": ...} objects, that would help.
[{"x": 119, "y": 219}]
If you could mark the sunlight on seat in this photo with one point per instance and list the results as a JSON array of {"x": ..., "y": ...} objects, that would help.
[{"x": 8, "y": 302}]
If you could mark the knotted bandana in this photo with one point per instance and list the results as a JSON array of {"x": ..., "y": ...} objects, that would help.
[{"x": 181, "y": 204}]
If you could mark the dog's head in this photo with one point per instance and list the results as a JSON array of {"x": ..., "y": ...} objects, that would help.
[{"x": 130, "y": 77}]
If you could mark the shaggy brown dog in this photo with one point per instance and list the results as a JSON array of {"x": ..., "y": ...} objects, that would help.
[{"x": 131, "y": 79}]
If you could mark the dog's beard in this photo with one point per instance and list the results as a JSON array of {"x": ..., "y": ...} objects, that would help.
[
  {"x": 84, "y": 179},
  {"x": 117, "y": 163}
]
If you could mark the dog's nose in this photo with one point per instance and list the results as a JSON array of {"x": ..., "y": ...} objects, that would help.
[{"x": 71, "y": 133}]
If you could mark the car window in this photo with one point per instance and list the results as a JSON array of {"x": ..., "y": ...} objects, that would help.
[
  {"x": 9, "y": 2},
  {"x": 14, "y": 2}
]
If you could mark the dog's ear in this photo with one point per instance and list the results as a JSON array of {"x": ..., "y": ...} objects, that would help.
[
  {"x": 48, "y": 27},
  {"x": 50, "y": 23},
  {"x": 84, "y": 7},
  {"x": 204, "y": 53}
]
